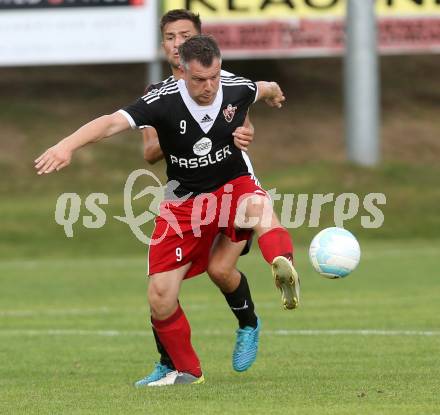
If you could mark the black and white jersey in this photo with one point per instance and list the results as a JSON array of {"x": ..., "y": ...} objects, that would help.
[
  {"x": 159, "y": 85},
  {"x": 197, "y": 140}
]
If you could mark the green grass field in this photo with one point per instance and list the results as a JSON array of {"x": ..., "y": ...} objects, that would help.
[
  {"x": 74, "y": 337},
  {"x": 73, "y": 314}
]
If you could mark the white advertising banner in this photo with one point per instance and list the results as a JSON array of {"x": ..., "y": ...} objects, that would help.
[{"x": 48, "y": 32}]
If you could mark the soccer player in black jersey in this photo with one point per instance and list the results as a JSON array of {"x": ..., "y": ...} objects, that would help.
[
  {"x": 216, "y": 192},
  {"x": 176, "y": 26}
]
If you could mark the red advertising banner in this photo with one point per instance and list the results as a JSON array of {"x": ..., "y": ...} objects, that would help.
[
  {"x": 322, "y": 37},
  {"x": 258, "y": 28}
]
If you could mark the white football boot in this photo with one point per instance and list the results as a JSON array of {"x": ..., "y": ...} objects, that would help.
[
  {"x": 287, "y": 281},
  {"x": 178, "y": 378}
]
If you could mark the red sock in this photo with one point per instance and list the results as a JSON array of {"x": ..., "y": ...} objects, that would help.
[
  {"x": 175, "y": 335},
  {"x": 276, "y": 242}
]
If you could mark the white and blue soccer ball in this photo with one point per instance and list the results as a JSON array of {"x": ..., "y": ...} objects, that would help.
[{"x": 334, "y": 252}]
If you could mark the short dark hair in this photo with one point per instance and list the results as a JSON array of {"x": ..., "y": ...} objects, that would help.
[
  {"x": 181, "y": 14},
  {"x": 202, "y": 48}
]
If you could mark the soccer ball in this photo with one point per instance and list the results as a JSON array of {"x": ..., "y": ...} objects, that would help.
[{"x": 334, "y": 252}]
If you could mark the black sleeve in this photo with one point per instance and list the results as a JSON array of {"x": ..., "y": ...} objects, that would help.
[
  {"x": 149, "y": 88},
  {"x": 248, "y": 92},
  {"x": 245, "y": 90},
  {"x": 142, "y": 113},
  {"x": 252, "y": 91},
  {"x": 152, "y": 87}
]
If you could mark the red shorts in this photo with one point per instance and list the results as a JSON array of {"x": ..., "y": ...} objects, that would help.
[{"x": 185, "y": 231}]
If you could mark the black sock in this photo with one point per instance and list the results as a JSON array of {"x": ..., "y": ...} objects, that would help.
[
  {"x": 241, "y": 304},
  {"x": 164, "y": 357}
]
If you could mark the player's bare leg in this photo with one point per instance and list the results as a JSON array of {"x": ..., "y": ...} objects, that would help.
[
  {"x": 173, "y": 330},
  {"x": 234, "y": 286},
  {"x": 163, "y": 291},
  {"x": 275, "y": 244},
  {"x": 222, "y": 267}
]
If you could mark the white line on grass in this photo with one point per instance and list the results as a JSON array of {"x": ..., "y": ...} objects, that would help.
[
  {"x": 269, "y": 305},
  {"x": 55, "y": 312},
  {"x": 119, "y": 333}
]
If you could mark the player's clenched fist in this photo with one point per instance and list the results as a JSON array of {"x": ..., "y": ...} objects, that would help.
[
  {"x": 243, "y": 136},
  {"x": 53, "y": 159},
  {"x": 277, "y": 98}
]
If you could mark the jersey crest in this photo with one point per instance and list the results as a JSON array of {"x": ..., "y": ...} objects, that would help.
[{"x": 229, "y": 112}]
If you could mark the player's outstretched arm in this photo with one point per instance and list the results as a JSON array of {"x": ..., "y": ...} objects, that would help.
[
  {"x": 152, "y": 151},
  {"x": 59, "y": 156},
  {"x": 271, "y": 93},
  {"x": 244, "y": 135}
]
